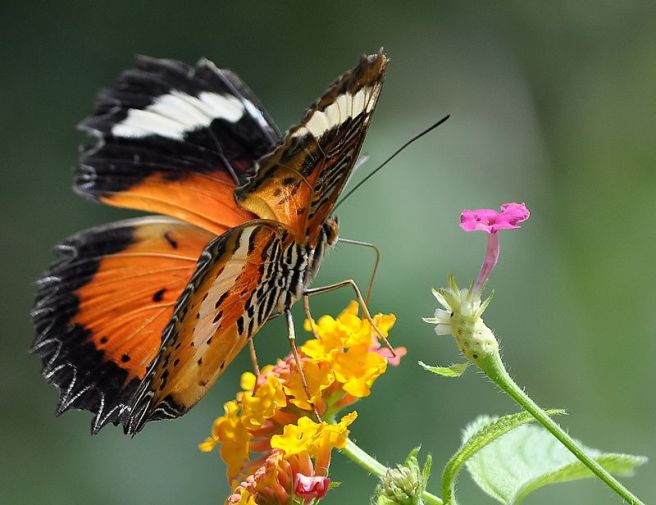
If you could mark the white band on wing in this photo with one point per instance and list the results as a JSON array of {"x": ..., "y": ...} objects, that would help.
[{"x": 176, "y": 113}]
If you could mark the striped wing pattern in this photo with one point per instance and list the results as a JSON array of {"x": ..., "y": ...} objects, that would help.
[
  {"x": 232, "y": 294},
  {"x": 299, "y": 182}
]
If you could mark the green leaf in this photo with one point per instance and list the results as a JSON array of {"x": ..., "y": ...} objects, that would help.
[
  {"x": 529, "y": 457},
  {"x": 481, "y": 432},
  {"x": 455, "y": 370}
]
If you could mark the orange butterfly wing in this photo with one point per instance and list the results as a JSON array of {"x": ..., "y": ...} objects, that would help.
[
  {"x": 231, "y": 295},
  {"x": 299, "y": 182},
  {"x": 100, "y": 310},
  {"x": 176, "y": 140}
]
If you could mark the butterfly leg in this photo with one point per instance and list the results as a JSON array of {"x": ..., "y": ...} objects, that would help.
[
  {"x": 376, "y": 250},
  {"x": 308, "y": 314},
  {"x": 358, "y": 294},
  {"x": 256, "y": 366},
  {"x": 297, "y": 359}
]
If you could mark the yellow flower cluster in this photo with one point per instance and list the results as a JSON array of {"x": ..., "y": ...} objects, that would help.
[
  {"x": 268, "y": 439},
  {"x": 346, "y": 351},
  {"x": 312, "y": 438}
]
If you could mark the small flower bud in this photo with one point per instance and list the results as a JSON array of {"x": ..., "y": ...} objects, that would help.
[
  {"x": 311, "y": 487},
  {"x": 461, "y": 315},
  {"x": 404, "y": 484}
]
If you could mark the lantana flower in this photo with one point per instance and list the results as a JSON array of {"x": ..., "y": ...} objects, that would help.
[{"x": 275, "y": 450}]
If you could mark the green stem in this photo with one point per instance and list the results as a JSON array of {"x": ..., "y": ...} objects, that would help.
[
  {"x": 493, "y": 367},
  {"x": 371, "y": 465}
]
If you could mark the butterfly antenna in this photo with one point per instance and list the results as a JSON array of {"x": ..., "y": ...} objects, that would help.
[{"x": 416, "y": 137}]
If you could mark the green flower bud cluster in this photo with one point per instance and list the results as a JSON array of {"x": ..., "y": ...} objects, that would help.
[{"x": 405, "y": 484}]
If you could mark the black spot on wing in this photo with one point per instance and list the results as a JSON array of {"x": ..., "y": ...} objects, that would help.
[
  {"x": 159, "y": 295},
  {"x": 172, "y": 242}
]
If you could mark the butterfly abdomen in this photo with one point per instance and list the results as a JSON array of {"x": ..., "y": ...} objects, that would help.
[{"x": 301, "y": 264}]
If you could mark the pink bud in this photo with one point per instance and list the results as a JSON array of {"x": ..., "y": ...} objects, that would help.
[{"x": 308, "y": 487}]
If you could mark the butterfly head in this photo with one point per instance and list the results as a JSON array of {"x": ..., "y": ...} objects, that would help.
[
  {"x": 331, "y": 230},
  {"x": 326, "y": 240}
]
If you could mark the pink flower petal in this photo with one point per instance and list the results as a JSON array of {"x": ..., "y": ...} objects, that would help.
[
  {"x": 392, "y": 360},
  {"x": 308, "y": 487},
  {"x": 491, "y": 221}
]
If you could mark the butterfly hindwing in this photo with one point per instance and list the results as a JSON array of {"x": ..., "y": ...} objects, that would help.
[
  {"x": 100, "y": 310},
  {"x": 299, "y": 182},
  {"x": 231, "y": 295},
  {"x": 177, "y": 140}
]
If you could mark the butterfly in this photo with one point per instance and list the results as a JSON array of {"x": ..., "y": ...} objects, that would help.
[{"x": 137, "y": 319}]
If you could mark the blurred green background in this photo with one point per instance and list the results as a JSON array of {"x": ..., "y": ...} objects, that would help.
[{"x": 553, "y": 104}]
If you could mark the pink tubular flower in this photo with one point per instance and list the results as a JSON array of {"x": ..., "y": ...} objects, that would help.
[{"x": 491, "y": 221}]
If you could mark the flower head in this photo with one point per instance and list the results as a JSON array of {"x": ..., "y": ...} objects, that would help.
[
  {"x": 351, "y": 348},
  {"x": 491, "y": 221},
  {"x": 275, "y": 450},
  {"x": 459, "y": 310},
  {"x": 404, "y": 484}
]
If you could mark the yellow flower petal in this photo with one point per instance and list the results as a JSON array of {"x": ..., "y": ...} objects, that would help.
[
  {"x": 267, "y": 400},
  {"x": 233, "y": 437},
  {"x": 208, "y": 445},
  {"x": 352, "y": 309},
  {"x": 319, "y": 377},
  {"x": 357, "y": 369},
  {"x": 334, "y": 435},
  {"x": 296, "y": 438},
  {"x": 247, "y": 381},
  {"x": 384, "y": 322}
]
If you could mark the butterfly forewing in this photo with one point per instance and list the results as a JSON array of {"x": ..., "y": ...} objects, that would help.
[
  {"x": 175, "y": 139},
  {"x": 300, "y": 181},
  {"x": 238, "y": 283},
  {"x": 233, "y": 292}
]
